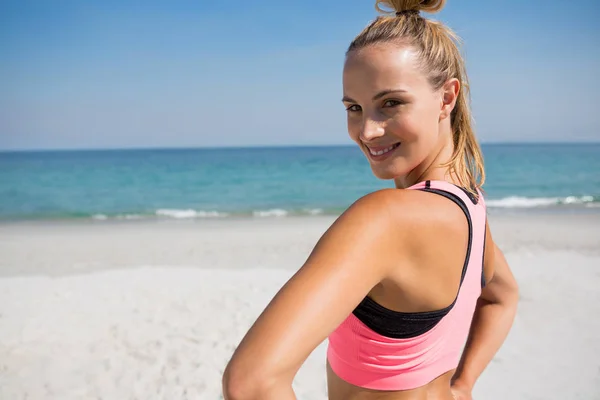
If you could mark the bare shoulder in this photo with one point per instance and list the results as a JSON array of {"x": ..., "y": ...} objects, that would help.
[
  {"x": 385, "y": 206},
  {"x": 414, "y": 215},
  {"x": 424, "y": 213},
  {"x": 399, "y": 214},
  {"x": 373, "y": 223},
  {"x": 406, "y": 204}
]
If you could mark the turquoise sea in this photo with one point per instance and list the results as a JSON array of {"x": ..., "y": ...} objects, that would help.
[{"x": 266, "y": 182}]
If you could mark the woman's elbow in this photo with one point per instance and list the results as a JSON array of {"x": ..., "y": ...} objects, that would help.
[
  {"x": 239, "y": 383},
  {"x": 235, "y": 384}
]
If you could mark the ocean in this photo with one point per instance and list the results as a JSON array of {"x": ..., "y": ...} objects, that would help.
[{"x": 267, "y": 182}]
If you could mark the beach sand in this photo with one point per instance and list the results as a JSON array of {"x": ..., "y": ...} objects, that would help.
[{"x": 154, "y": 309}]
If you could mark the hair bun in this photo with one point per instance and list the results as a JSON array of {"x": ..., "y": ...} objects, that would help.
[{"x": 400, "y": 6}]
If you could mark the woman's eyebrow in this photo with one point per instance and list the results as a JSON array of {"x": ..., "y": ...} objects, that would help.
[{"x": 377, "y": 96}]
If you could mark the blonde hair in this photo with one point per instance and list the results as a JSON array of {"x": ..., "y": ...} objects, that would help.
[{"x": 440, "y": 57}]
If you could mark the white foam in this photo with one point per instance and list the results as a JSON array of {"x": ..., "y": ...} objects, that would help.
[
  {"x": 314, "y": 211},
  {"x": 276, "y": 212},
  {"x": 530, "y": 202},
  {"x": 577, "y": 200},
  {"x": 129, "y": 216},
  {"x": 189, "y": 213},
  {"x": 99, "y": 217}
]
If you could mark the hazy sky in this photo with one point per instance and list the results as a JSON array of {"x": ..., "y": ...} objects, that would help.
[{"x": 98, "y": 74}]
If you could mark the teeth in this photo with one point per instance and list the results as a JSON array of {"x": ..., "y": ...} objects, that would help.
[{"x": 381, "y": 152}]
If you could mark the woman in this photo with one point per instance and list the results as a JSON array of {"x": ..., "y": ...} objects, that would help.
[{"x": 405, "y": 276}]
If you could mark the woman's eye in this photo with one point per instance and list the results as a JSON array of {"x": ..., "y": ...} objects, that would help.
[
  {"x": 391, "y": 103},
  {"x": 353, "y": 108}
]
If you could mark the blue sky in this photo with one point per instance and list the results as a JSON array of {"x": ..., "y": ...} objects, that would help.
[{"x": 111, "y": 74}]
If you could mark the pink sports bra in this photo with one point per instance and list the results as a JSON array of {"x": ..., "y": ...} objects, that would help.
[{"x": 381, "y": 349}]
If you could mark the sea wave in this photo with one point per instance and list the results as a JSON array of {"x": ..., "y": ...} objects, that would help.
[
  {"x": 188, "y": 213},
  {"x": 276, "y": 212},
  {"x": 173, "y": 213},
  {"x": 534, "y": 202},
  {"x": 104, "y": 217},
  {"x": 505, "y": 203}
]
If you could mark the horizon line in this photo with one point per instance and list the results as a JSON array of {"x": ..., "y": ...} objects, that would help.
[{"x": 263, "y": 146}]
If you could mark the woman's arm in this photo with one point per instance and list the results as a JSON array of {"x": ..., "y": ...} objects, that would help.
[
  {"x": 351, "y": 258},
  {"x": 494, "y": 316}
]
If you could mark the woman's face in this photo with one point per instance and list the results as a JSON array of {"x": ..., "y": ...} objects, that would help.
[{"x": 393, "y": 112}]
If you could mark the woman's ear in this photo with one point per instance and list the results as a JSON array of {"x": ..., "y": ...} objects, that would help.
[{"x": 450, "y": 92}]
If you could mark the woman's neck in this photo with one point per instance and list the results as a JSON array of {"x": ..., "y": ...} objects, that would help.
[{"x": 434, "y": 167}]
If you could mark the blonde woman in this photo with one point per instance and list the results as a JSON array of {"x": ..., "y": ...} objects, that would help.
[{"x": 406, "y": 276}]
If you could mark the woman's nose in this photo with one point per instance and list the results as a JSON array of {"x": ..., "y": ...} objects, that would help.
[{"x": 371, "y": 130}]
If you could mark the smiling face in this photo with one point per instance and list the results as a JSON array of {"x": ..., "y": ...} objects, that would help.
[{"x": 394, "y": 114}]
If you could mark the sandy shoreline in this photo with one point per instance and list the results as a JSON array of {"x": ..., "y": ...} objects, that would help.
[
  {"x": 32, "y": 248},
  {"x": 153, "y": 310}
]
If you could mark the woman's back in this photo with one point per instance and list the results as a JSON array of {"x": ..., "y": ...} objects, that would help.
[{"x": 409, "y": 331}]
